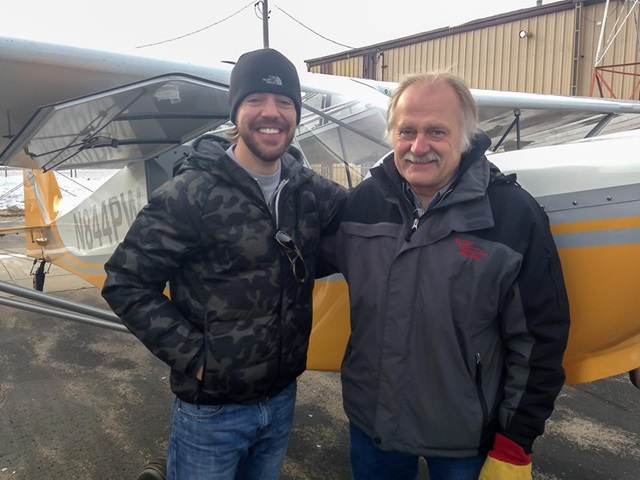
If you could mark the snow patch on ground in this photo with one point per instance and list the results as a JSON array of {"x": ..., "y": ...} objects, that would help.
[{"x": 76, "y": 185}]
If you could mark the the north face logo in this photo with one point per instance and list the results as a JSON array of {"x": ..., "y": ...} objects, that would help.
[
  {"x": 272, "y": 80},
  {"x": 469, "y": 250}
]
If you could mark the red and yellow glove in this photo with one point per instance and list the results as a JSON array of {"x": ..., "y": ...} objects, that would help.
[{"x": 506, "y": 461}]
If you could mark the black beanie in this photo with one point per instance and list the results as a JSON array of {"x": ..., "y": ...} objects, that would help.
[{"x": 263, "y": 71}]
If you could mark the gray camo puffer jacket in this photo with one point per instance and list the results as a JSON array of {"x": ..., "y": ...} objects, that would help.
[{"x": 236, "y": 307}]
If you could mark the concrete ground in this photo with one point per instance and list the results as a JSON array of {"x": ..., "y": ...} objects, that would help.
[{"x": 81, "y": 402}]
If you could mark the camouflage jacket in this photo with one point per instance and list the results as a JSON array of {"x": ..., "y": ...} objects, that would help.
[{"x": 236, "y": 308}]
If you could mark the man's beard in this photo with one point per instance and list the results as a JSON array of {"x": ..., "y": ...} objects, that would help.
[{"x": 266, "y": 156}]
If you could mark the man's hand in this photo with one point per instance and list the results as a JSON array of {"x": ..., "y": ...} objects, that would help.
[
  {"x": 506, "y": 461},
  {"x": 199, "y": 374}
]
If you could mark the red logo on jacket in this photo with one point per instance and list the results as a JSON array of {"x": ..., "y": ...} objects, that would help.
[{"x": 469, "y": 250}]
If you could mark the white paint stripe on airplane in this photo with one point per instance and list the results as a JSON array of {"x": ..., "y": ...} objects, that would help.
[{"x": 622, "y": 236}]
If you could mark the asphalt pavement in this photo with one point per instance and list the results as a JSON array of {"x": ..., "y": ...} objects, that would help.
[{"x": 83, "y": 402}]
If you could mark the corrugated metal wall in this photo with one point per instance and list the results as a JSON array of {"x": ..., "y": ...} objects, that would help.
[{"x": 495, "y": 57}]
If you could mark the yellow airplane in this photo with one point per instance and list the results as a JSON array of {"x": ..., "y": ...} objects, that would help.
[{"x": 69, "y": 108}]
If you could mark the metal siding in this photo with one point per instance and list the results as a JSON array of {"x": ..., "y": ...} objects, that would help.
[
  {"x": 562, "y": 46},
  {"x": 537, "y": 76},
  {"x": 457, "y": 53},
  {"x": 503, "y": 65},
  {"x": 551, "y": 76},
  {"x": 527, "y": 54},
  {"x": 517, "y": 80},
  {"x": 624, "y": 52},
  {"x": 392, "y": 65},
  {"x": 438, "y": 61},
  {"x": 398, "y": 64},
  {"x": 412, "y": 58},
  {"x": 475, "y": 55},
  {"x": 543, "y": 30},
  {"x": 351, "y": 67},
  {"x": 461, "y": 55},
  {"x": 383, "y": 67},
  {"x": 494, "y": 57},
  {"x": 486, "y": 66},
  {"x": 435, "y": 60},
  {"x": 588, "y": 45},
  {"x": 402, "y": 64},
  {"x": 449, "y": 48},
  {"x": 422, "y": 57},
  {"x": 389, "y": 72}
]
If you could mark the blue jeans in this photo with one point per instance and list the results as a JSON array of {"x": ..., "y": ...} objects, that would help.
[
  {"x": 232, "y": 441},
  {"x": 368, "y": 462}
]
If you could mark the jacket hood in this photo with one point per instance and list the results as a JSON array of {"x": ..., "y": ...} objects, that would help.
[{"x": 479, "y": 145}]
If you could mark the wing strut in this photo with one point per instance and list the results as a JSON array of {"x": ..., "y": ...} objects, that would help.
[
  {"x": 64, "y": 309},
  {"x": 516, "y": 122},
  {"x": 595, "y": 131}
]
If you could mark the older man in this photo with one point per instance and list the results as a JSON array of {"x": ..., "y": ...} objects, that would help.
[{"x": 459, "y": 314}]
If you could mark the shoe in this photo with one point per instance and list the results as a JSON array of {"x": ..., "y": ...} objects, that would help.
[{"x": 154, "y": 470}]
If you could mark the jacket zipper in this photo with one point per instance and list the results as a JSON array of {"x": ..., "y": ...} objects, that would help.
[
  {"x": 414, "y": 227},
  {"x": 417, "y": 218},
  {"x": 276, "y": 201},
  {"x": 276, "y": 196},
  {"x": 483, "y": 401}
]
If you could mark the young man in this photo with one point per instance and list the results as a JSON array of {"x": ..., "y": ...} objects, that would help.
[
  {"x": 459, "y": 315},
  {"x": 235, "y": 234}
]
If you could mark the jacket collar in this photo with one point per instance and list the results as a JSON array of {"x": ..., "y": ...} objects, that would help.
[{"x": 208, "y": 153}]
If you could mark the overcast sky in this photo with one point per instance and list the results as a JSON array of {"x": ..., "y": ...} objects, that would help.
[{"x": 215, "y": 30}]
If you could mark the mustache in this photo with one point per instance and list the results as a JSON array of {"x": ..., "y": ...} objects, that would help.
[{"x": 426, "y": 158}]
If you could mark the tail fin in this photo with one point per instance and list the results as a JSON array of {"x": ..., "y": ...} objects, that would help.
[{"x": 42, "y": 198}]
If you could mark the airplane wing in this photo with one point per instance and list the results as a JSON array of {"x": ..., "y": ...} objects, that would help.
[
  {"x": 129, "y": 123},
  {"x": 516, "y": 120},
  {"x": 342, "y": 128},
  {"x": 34, "y": 74},
  {"x": 102, "y": 109},
  {"x": 520, "y": 120}
]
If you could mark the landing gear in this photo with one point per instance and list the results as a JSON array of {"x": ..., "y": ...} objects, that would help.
[
  {"x": 39, "y": 274},
  {"x": 154, "y": 470}
]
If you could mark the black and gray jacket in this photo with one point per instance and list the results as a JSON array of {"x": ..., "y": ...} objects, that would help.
[
  {"x": 459, "y": 318},
  {"x": 236, "y": 307}
]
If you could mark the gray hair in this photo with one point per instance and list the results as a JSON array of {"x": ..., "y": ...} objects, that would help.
[{"x": 468, "y": 107}]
